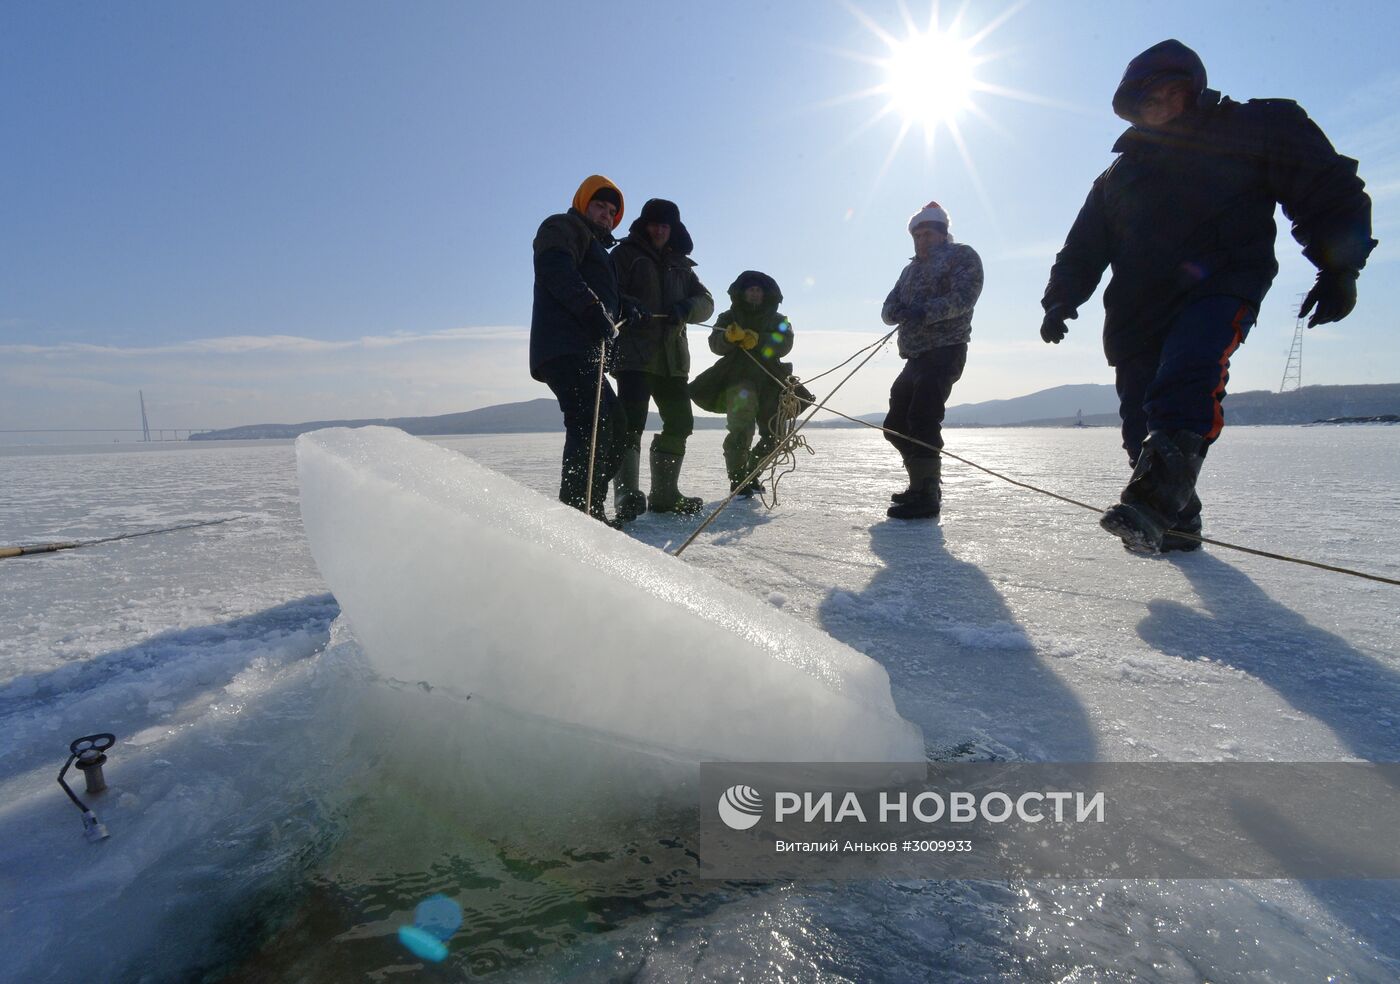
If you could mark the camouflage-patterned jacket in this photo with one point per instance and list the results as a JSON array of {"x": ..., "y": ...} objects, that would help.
[{"x": 932, "y": 301}]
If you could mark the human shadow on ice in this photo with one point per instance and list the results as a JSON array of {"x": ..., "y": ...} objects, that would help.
[
  {"x": 1362, "y": 905},
  {"x": 960, "y": 665},
  {"x": 128, "y": 689},
  {"x": 1320, "y": 674}
]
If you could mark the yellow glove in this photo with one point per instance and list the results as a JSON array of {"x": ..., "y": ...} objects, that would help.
[
  {"x": 750, "y": 339},
  {"x": 734, "y": 334}
]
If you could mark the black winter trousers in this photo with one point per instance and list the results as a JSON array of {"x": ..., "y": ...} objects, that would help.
[
  {"x": 574, "y": 381},
  {"x": 919, "y": 398},
  {"x": 1179, "y": 382},
  {"x": 637, "y": 389}
]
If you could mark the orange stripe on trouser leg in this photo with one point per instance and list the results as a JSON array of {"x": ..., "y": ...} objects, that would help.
[{"x": 1218, "y": 422}]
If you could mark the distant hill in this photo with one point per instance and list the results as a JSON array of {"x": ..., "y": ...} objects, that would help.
[
  {"x": 1060, "y": 406},
  {"x": 1312, "y": 403},
  {"x": 527, "y": 417},
  {"x": 1053, "y": 403},
  {"x": 1055, "y": 407},
  {"x": 505, "y": 418}
]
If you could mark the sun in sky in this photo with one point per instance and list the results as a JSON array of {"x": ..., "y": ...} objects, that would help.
[{"x": 928, "y": 77}]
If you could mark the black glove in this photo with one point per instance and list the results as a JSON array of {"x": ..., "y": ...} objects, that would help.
[
  {"x": 634, "y": 315},
  {"x": 680, "y": 312},
  {"x": 598, "y": 324},
  {"x": 1053, "y": 329},
  {"x": 1334, "y": 295},
  {"x": 906, "y": 314}
]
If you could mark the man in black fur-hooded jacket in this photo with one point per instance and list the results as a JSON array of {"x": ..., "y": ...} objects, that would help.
[
  {"x": 1185, "y": 218},
  {"x": 657, "y": 278}
]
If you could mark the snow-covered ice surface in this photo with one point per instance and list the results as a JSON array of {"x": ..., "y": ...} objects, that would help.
[{"x": 278, "y": 808}]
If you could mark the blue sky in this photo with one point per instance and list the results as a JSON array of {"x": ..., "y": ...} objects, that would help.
[{"x": 291, "y": 211}]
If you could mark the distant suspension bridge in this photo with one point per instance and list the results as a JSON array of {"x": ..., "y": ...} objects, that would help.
[
  {"x": 149, "y": 434},
  {"x": 145, "y": 430}
]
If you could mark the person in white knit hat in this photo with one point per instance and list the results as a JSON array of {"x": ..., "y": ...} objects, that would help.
[{"x": 932, "y": 304}]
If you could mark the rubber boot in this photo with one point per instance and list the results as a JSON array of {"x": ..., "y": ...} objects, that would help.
[
  {"x": 1162, "y": 486},
  {"x": 601, "y": 516},
  {"x": 760, "y": 451},
  {"x": 925, "y": 497},
  {"x": 1188, "y": 522},
  {"x": 598, "y": 508},
  {"x": 899, "y": 498},
  {"x": 629, "y": 501},
  {"x": 665, "y": 496},
  {"x": 736, "y": 465},
  {"x": 754, "y": 488}
]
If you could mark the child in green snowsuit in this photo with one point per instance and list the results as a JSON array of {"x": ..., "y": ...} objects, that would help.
[{"x": 750, "y": 337}]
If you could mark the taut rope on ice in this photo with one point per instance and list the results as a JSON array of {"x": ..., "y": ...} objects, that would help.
[
  {"x": 42, "y": 548},
  {"x": 789, "y": 441}
]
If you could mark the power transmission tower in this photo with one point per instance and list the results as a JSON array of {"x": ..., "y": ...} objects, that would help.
[
  {"x": 145, "y": 427},
  {"x": 1293, "y": 371}
]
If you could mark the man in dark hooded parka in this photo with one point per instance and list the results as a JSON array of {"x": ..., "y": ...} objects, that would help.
[
  {"x": 657, "y": 277},
  {"x": 1185, "y": 218}
]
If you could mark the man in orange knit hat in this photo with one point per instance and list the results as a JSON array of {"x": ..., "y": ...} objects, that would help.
[{"x": 573, "y": 323}]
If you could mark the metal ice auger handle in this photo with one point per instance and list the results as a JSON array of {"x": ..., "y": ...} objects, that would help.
[{"x": 89, "y": 752}]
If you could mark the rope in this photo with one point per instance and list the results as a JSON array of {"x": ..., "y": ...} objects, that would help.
[
  {"x": 782, "y": 427},
  {"x": 828, "y": 372},
  {"x": 593, "y": 438},
  {"x": 1292, "y": 560},
  {"x": 1181, "y": 534},
  {"x": 40, "y": 548},
  {"x": 834, "y": 368},
  {"x": 772, "y": 454},
  {"x": 781, "y": 423},
  {"x": 972, "y": 464},
  {"x": 1333, "y": 568}
]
